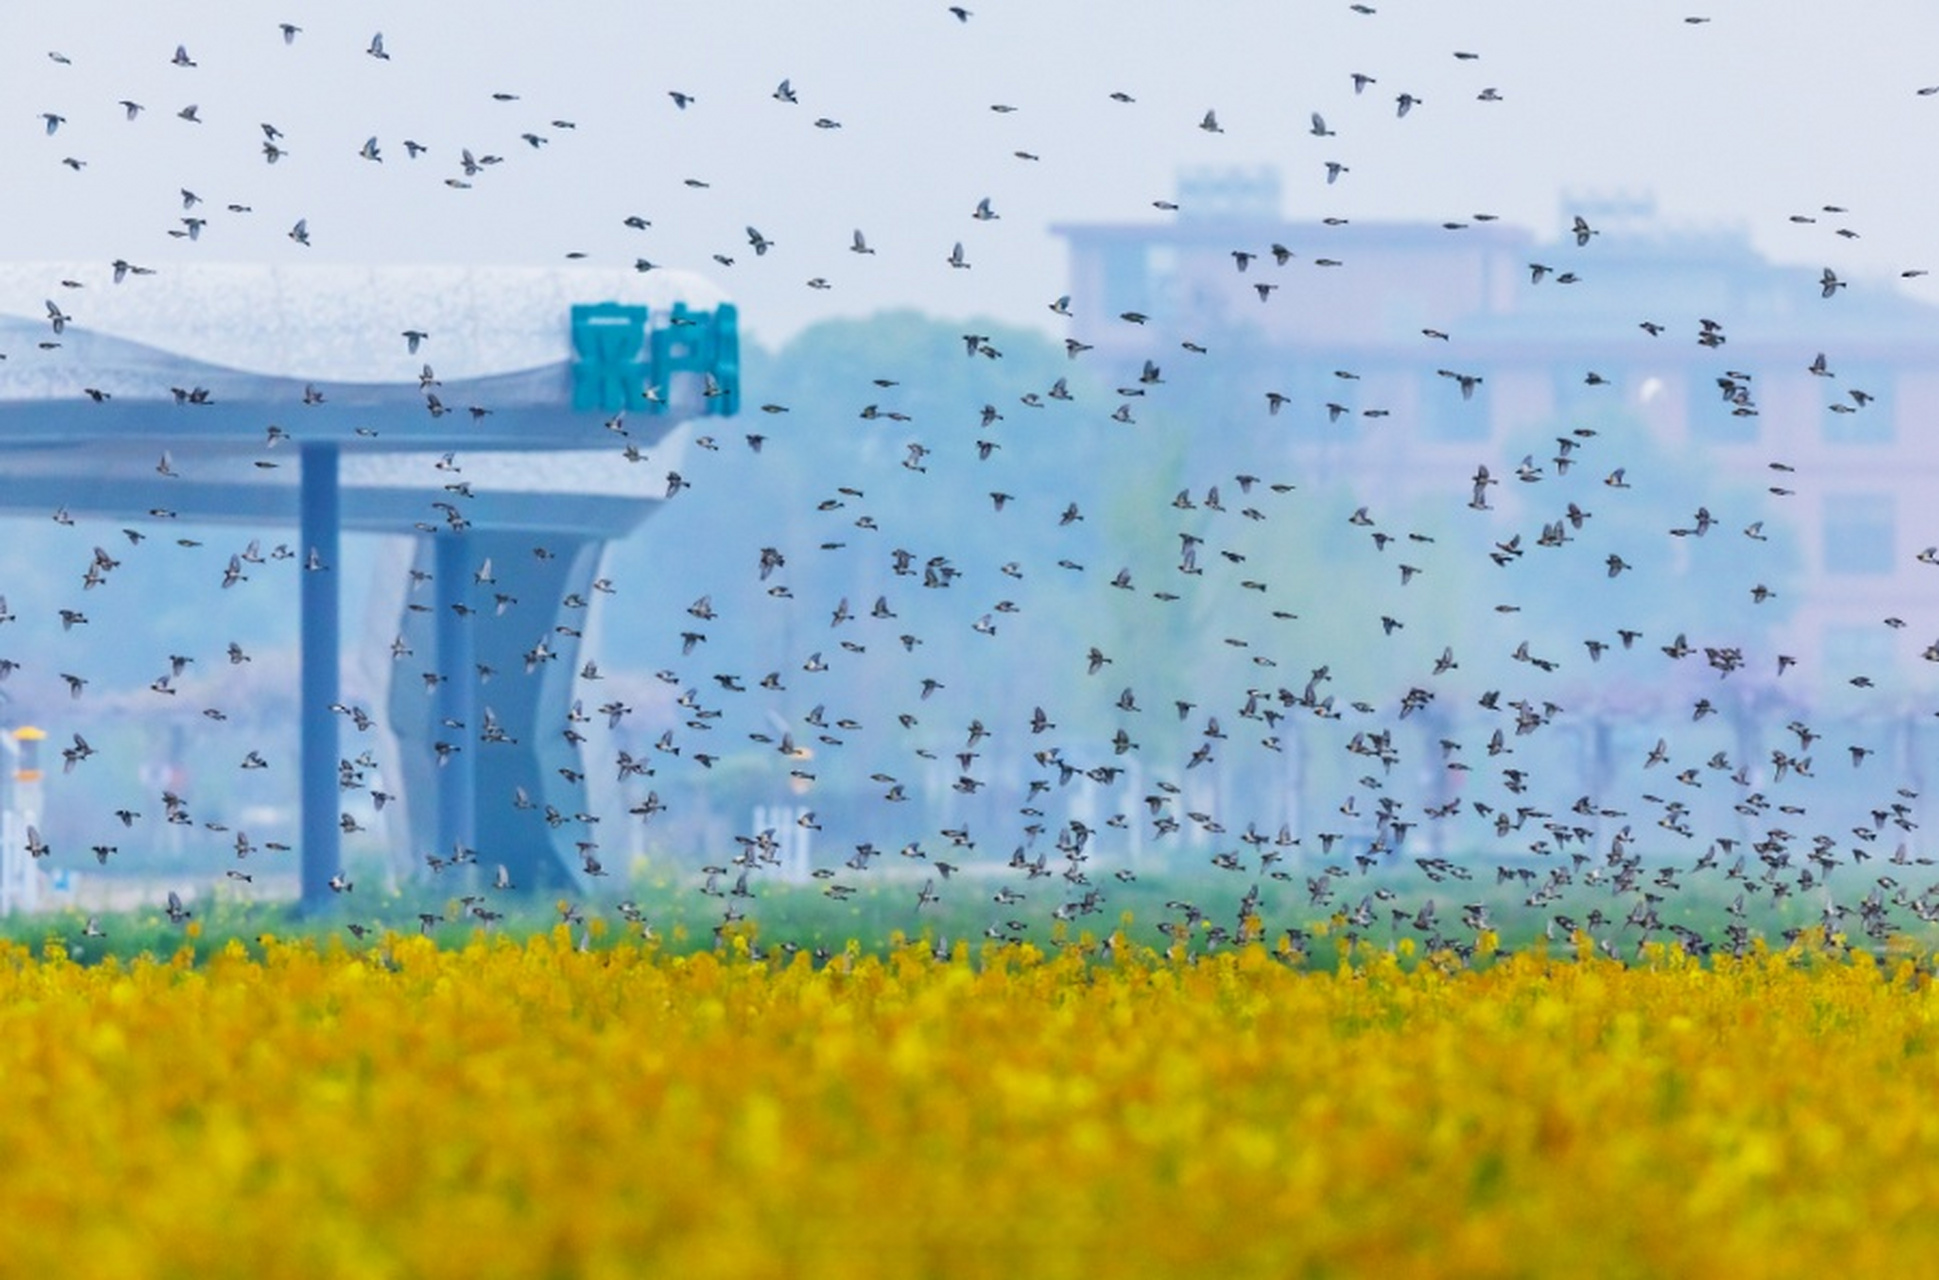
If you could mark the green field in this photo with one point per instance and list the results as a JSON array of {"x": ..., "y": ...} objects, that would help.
[{"x": 1202, "y": 911}]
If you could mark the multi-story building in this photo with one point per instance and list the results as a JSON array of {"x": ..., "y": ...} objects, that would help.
[{"x": 1734, "y": 364}]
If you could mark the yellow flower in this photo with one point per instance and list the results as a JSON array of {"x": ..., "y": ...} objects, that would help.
[{"x": 516, "y": 1108}]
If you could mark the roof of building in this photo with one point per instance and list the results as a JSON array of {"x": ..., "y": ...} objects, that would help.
[
  {"x": 336, "y": 323},
  {"x": 1673, "y": 276}
]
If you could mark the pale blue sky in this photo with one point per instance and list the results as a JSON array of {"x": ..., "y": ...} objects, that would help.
[{"x": 1766, "y": 110}]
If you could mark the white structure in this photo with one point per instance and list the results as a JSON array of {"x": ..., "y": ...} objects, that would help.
[{"x": 20, "y": 878}]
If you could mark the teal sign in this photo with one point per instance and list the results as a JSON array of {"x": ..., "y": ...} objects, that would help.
[{"x": 622, "y": 362}]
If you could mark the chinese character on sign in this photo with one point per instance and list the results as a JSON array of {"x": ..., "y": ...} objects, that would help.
[
  {"x": 706, "y": 344},
  {"x": 622, "y": 364},
  {"x": 609, "y": 341}
]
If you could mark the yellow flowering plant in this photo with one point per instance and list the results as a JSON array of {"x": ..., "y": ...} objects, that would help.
[{"x": 517, "y": 1107}]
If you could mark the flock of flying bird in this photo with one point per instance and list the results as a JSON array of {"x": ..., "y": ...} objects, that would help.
[{"x": 1588, "y": 865}]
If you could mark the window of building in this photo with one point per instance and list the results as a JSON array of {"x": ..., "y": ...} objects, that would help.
[
  {"x": 1127, "y": 282},
  {"x": 1164, "y": 268},
  {"x": 1446, "y": 416},
  {"x": 1858, "y": 406},
  {"x": 1859, "y": 533},
  {"x": 1311, "y": 389},
  {"x": 1717, "y": 417},
  {"x": 1856, "y": 651}
]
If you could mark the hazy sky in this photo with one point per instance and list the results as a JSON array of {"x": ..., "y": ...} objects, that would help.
[{"x": 1765, "y": 110}]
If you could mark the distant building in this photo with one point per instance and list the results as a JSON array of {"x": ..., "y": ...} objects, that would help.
[{"x": 1529, "y": 319}]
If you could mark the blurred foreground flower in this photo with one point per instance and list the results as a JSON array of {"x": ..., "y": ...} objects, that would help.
[{"x": 530, "y": 1108}]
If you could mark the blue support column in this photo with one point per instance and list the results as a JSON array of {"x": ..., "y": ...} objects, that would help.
[
  {"x": 321, "y": 847},
  {"x": 530, "y": 752},
  {"x": 457, "y": 700}
]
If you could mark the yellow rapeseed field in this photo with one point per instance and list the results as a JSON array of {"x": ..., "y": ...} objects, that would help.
[{"x": 527, "y": 1108}]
